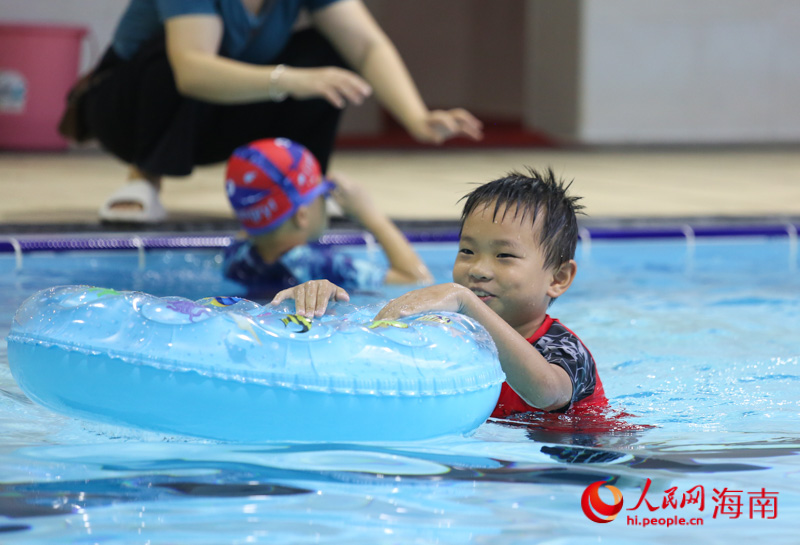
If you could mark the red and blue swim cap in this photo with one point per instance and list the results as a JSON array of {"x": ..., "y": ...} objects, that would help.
[{"x": 267, "y": 180}]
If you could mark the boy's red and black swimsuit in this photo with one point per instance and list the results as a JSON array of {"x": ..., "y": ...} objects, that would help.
[{"x": 561, "y": 347}]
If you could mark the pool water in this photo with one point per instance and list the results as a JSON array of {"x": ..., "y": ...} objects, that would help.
[{"x": 697, "y": 347}]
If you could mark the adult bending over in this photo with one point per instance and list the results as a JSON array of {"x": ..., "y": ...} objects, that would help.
[{"x": 185, "y": 82}]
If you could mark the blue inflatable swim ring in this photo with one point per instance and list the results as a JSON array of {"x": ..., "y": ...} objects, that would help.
[{"x": 230, "y": 369}]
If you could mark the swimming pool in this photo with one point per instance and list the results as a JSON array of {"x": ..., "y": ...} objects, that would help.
[{"x": 697, "y": 344}]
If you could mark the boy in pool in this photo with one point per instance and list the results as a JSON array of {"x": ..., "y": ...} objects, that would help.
[
  {"x": 515, "y": 257},
  {"x": 278, "y": 193}
]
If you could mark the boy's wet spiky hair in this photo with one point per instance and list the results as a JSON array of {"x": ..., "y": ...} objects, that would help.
[{"x": 534, "y": 193}]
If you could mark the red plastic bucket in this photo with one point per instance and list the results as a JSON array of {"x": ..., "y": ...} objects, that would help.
[{"x": 38, "y": 65}]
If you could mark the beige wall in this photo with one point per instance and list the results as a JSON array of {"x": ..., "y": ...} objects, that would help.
[
  {"x": 665, "y": 71},
  {"x": 551, "y": 66}
]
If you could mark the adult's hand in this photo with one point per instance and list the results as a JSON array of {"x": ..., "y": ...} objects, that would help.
[
  {"x": 438, "y": 126},
  {"x": 336, "y": 85}
]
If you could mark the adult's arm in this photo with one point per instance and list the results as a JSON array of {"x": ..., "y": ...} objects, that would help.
[
  {"x": 353, "y": 31},
  {"x": 193, "y": 42}
]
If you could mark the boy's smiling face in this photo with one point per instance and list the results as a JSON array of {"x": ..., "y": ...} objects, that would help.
[{"x": 501, "y": 261}]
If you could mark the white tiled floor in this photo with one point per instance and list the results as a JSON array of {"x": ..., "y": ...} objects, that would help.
[{"x": 70, "y": 186}]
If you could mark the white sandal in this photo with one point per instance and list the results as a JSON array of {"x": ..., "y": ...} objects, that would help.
[{"x": 140, "y": 192}]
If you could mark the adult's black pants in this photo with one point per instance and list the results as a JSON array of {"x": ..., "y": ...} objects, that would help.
[{"x": 137, "y": 114}]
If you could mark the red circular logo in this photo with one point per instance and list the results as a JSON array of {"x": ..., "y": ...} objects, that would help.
[{"x": 596, "y": 509}]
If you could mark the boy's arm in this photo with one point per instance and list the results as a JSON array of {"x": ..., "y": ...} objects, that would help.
[
  {"x": 405, "y": 266},
  {"x": 538, "y": 382}
]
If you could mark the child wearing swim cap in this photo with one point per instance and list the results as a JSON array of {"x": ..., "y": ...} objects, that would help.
[
  {"x": 278, "y": 193},
  {"x": 515, "y": 257}
]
